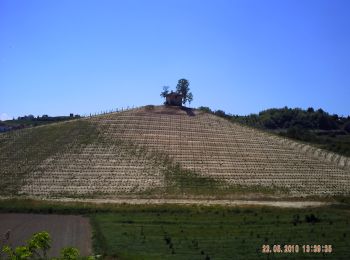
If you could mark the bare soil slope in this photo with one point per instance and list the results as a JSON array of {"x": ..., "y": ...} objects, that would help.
[{"x": 163, "y": 150}]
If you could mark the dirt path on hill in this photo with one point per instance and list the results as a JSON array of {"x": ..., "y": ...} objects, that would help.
[
  {"x": 192, "y": 201},
  {"x": 282, "y": 204}
]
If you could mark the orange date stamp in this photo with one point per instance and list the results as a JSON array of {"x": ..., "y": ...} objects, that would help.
[{"x": 290, "y": 249}]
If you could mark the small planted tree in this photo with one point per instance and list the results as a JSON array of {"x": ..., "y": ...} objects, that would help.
[{"x": 69, "y": 253}]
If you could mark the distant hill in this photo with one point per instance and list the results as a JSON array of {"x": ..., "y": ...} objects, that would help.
[
  {"x": 31, "y": 121},
  {"x": 160, "y": 151}
]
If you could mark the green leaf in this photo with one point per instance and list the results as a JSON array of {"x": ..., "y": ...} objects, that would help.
[{"x": 69, "y": 253}]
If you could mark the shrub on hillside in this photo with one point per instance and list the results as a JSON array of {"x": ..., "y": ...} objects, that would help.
[{"x": 347, "y": 127}]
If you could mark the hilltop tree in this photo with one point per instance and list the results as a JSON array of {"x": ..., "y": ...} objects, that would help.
[
  {"x": 183, "y": 88},
  {"x": 165, "y": 91},
  {"x": 189, "y": 98}
]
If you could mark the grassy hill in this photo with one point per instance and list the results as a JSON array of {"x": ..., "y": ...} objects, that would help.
[{"x": 163, "y": 152}]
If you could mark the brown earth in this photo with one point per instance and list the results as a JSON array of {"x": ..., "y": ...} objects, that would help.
[
  {"x": 134, "y": 153},
  {"x": 205, "y": 144},
  {"x": 65, "y": 231}
]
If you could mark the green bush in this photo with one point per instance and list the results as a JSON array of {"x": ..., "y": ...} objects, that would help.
[{"x": 37, "y": 247}]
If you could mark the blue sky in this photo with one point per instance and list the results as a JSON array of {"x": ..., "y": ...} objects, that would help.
[{"x": 61, "y": 57}]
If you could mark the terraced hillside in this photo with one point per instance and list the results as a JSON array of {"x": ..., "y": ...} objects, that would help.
[{"x": 163, "y": 151}]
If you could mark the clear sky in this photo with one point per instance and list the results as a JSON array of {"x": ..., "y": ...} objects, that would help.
[{"x": 69, "y": 56}]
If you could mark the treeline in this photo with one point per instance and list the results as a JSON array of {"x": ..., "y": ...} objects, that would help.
[
  {"x": 328, "y": 131},
  {"x": 31, "y": 121},
  {"x": 286, "y": 118}
]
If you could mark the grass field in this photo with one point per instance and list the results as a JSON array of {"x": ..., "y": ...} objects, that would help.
[
  {"x": 220, "y": 233},
  {"x": 202, "y": 232}
]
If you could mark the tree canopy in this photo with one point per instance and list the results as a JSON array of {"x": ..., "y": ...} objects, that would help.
[
  {"x": 165, "y": 91},
  {"x": 183, "y": 88}
]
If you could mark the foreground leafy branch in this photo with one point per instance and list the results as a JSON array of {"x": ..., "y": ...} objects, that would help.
[{"x": 37, "y": 247}]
